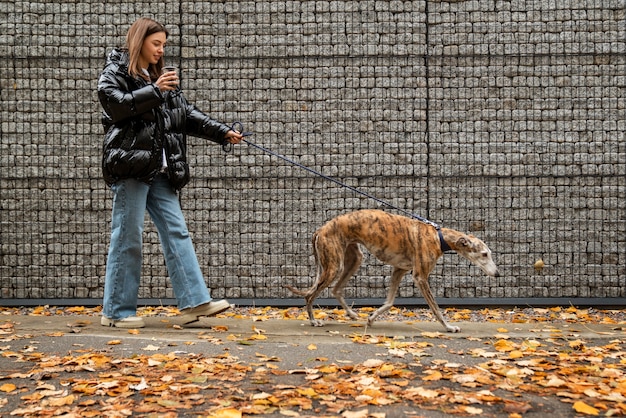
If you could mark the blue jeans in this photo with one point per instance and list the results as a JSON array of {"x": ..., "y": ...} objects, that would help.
[{"x": 123, "y": 270}]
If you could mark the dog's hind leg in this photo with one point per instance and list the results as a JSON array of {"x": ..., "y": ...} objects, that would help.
[
  {"x": 329, "y": 266},
  {"x": 396, "y": 278},
  {"x": 351, "y": 263},
  {"x": 325, "y": 278}
]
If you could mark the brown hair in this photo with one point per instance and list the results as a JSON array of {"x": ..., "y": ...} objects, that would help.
[{"x": 136, "y": 35}]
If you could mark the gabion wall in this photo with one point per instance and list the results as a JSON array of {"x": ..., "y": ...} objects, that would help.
[{"x": 505, "y": 119}]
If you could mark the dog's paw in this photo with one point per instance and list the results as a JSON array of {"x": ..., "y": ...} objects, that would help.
[
  {"x": 317, "y": 323},
  {"x": 453, "y": 328}
]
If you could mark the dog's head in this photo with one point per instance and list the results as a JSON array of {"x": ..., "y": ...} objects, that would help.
[{"x": 477, "y": 253}]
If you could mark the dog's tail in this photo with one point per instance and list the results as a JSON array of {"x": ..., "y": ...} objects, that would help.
[
  {"x": 296, "y": 291},
  {"x": 306, "y": 292}
]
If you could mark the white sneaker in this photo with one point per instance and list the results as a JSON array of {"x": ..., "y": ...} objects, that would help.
[
  {"x": 190, "y": 315},
  {"x": 128, "y": 322}
]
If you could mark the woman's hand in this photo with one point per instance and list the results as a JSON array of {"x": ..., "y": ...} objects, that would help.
[
  {"x": 233, "y": 137},
  {"x": 168, "y": 81}
]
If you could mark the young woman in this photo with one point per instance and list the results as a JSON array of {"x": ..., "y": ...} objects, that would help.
[{"x": 146, "y": 118}]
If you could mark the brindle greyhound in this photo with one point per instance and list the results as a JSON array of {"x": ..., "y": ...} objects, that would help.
[{"x": 404, "y": 243}]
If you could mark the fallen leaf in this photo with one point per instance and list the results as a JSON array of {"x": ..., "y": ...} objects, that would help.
[
  {"x": 8, "y": 387},
  {"x": 356, "y": 414},
  {"x": 151, "y": 347},
  {"x": 473, "y": 411},
  {"x": 371, "y": 363},
  {"x": 227, "y": 413},
  {"x": 583, "y": 408},
  {"x": 432, "y": 375}
]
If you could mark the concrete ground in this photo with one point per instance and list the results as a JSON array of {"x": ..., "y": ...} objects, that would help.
[{"x": 294, "y": 348}]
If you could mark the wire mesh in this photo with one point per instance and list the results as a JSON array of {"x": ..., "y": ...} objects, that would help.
[{"x": 502, "y": 119}]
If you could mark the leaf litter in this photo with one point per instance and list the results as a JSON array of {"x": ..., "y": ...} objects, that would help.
[{"x": 589, "y": 377}]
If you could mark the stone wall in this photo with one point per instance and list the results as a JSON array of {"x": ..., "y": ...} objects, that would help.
[{"x": 505, "y": 119}]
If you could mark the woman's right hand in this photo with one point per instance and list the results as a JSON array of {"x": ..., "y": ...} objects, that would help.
[{"x": 168, "y": 81}]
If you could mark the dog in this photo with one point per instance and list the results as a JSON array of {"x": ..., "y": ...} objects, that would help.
[{"x": 404, "y": 243}]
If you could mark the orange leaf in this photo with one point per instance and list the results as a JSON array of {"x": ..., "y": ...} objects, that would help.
[
  {"x": 504, "y": 345},
  {"x": 8, "y": 387},
  {"x": 583, "y": 408},
  {"x": 220, "y": 328},
  {"x": 433, "y": 375},
  {"x": 310, "y": 392}
]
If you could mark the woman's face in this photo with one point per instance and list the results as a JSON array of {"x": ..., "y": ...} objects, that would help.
[{"x": 152, "y": 49}]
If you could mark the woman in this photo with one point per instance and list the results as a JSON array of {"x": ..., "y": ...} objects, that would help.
[{"x": 146, "y": 118}]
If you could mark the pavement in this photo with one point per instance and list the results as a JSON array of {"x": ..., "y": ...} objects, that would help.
[
  {"x": 288, "y": 337},
  {"x": 293, "y": 343}
]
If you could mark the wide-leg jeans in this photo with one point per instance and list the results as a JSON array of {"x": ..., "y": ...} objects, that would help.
[{"x": 123, "y": 269}]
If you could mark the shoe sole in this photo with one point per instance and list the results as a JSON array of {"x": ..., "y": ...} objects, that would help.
[
  {"x": 197, "y": 317},
  {"x": 123, "y": 325}
]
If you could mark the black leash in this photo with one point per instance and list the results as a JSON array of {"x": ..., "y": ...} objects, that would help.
[{"x": 444, "y": 245}]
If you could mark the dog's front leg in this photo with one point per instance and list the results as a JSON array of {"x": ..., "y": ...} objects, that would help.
[
  {"x": 422, "y": 283},
  {"x": 396, "y": 278}
]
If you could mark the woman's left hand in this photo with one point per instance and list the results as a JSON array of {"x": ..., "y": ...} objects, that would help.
[{"x": 233, "y": 137}]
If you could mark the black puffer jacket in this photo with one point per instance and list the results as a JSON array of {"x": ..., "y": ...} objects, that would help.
[{"x": 140, "y": 121}]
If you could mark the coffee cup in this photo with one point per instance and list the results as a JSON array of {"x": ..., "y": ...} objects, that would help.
[{"x": 168, "y": 69}]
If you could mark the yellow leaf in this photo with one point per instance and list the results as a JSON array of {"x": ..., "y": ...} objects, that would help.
[
  {"x": 516, "y": 354},
  {"x": 320, "y": 314},
  {"x": 503, "y": 330},
  {"x": 312, "y": 347},
  {"x": 8, "y": 387},
  {"x": 433, "y": 375},
  {"x": 504, "y": 345},
  {"x": 577, "y": 344},
  {"x": 583, "y": 408},
  {"x": 134, "y": 331},
  {"x": 328, "y": 369},
  {"x": 310, "y": 392},
  {"x": 114, "y": 342}
]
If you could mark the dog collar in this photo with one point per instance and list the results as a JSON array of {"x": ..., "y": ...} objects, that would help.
[{"x": 442, "y": 242}]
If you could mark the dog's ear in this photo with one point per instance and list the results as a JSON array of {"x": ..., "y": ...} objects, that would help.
[{"x": 462, "y": 242}]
